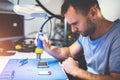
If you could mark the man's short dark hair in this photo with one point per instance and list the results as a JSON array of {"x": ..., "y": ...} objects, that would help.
[{"x": 79, "y": 5}]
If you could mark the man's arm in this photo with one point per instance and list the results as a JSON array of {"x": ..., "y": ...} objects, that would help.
[
  {"x": 62, "y": 53},
  {"x": 82, "y": 74},
  {"x": 75, "y": 71}
]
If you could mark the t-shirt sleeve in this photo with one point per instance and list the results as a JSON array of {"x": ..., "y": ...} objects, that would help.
[
  {"x": 114, "y": 59},
  {"x": 80, "y": 40}
]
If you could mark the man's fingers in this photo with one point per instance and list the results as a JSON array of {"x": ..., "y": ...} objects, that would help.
[
  {"x": 46, "y": 38},
  {"x": 41, "y": 38}
]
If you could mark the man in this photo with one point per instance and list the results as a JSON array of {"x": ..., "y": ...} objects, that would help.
[{"x": 99, "y": 41}]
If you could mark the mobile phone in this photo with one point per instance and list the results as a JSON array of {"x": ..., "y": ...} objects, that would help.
[{"x": 43, "y": 65}]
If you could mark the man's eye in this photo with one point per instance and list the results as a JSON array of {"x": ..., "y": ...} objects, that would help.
[{"x": 75, "y": 23}]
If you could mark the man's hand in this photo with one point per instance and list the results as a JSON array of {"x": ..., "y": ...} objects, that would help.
[
  {"x": 44, "y": 39},
  {"x": 70, "y": 66}
]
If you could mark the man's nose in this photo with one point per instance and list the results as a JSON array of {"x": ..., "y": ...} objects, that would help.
[{"x": 73, "y": 29}]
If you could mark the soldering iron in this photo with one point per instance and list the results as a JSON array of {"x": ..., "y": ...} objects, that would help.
[{"x": 39, "y": 48}]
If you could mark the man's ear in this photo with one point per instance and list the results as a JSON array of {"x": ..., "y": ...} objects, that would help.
[{"x": 92, "y": 12}]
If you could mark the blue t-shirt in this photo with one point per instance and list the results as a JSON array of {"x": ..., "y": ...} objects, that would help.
[{"x": 103, "y": 54}]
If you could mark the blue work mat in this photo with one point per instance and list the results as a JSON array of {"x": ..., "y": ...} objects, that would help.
[{"x": 28, "y": 70}]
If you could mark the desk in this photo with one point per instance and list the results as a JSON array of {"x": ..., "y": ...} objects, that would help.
[{"x": 31, "y": 72}]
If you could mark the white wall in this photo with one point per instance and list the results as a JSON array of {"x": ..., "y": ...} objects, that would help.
[{"x": 110, "y": 9}]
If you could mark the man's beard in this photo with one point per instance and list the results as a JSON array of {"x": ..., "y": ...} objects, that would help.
[{"x": 91, "y": 27}]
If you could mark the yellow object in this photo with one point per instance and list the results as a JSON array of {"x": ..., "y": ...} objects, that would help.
[
  {"x": 69, "y": 36},
  {"x": 18, "y": 46},
  {"x": 38, "y": 50}
]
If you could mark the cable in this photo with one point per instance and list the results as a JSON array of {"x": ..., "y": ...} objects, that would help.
[
  {"x": 18, "y": 2},
  {"x": 29, "y": 19},
  {"x": 57, "y": 16},
  {"x": 50, "y": 30},
  {"x": 41, "y": 29}
]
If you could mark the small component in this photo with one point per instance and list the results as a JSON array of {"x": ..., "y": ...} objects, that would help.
[
  {"x": 12, "y": 74},
  {"x": 44, "y": 72},
  {"x": 23, "y": 62}
]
